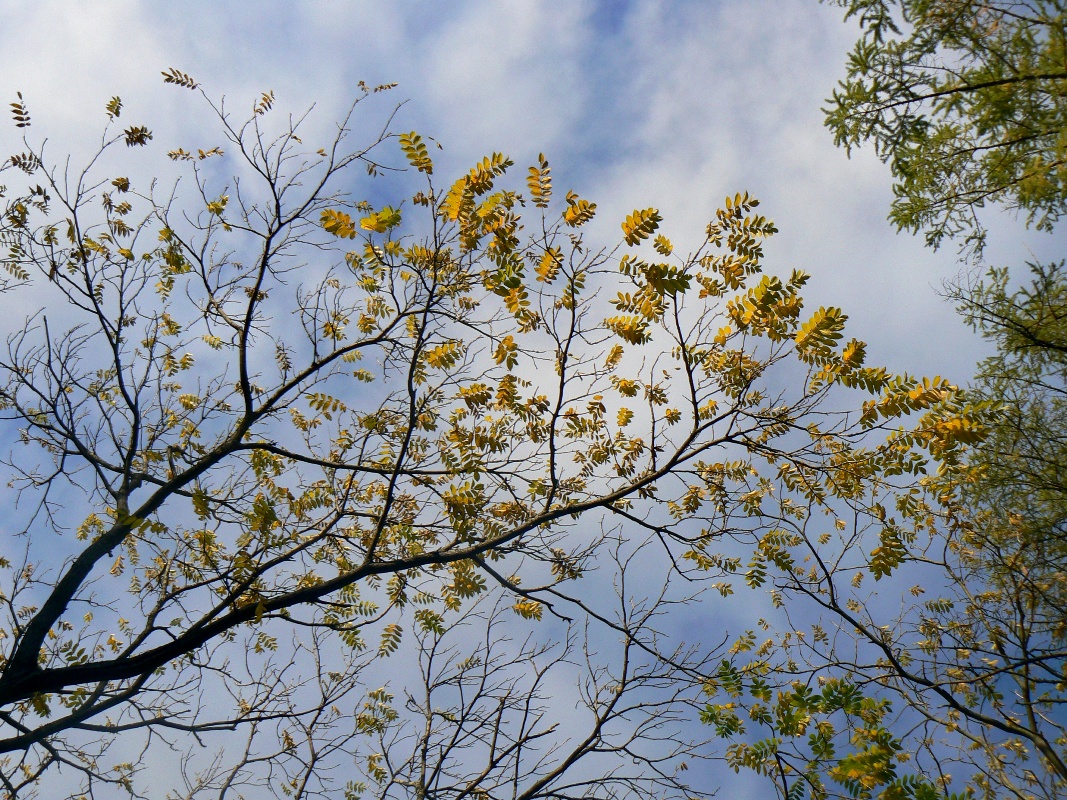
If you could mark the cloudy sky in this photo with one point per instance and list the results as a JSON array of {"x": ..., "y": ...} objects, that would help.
[
  {"x": 671, "y": 104},
  {"x": 636, "y": 104}
]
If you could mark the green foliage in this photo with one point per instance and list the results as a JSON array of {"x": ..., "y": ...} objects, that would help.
[{"x": 961, "y": 98}]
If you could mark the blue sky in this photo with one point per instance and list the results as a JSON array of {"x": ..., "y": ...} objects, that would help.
[
  {"x": 636, "y": 104},
  {"x": 671, "y": 104}
]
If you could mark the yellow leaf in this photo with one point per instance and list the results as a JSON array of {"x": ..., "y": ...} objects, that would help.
[
  {"x": 640, "y": 225},
  {"x": 415, "y": 150},
  {"x": 539, "y": 182},
  {"x": 444, "y": 355},
  {"x": 507, "y": 352},
  {"x": 382, "y": 221},
  {"x": 528, "y": 609},
  {"x": 663, "y": 245},
  {"x": 338, "y": 223},
  {"x": 218, "y": 206},
  {"x": 822, "y": 331},
  {"x": 578, "y": 211},
  {"x": 549, "y": 265},
  {"x": 629, "y": 328}
]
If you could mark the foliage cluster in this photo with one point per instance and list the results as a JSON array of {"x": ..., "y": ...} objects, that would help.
[{"x": 964, "y": 100}]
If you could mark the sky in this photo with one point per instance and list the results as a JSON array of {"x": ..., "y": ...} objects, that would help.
[
  {"x": 668, "y": 104},
  {"x": 636, "y": 104}
]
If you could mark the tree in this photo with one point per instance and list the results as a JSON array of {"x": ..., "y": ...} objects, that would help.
[
  {"x": 1008, "y": 504},
  {"x": 946, "y": 677},
  {"x": 979, "y": 665},
  {"x": 266, "y": 435},
  {"x": 964, "y": 99}
]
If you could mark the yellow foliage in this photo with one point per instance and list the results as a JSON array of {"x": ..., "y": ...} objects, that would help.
[
  {"x": 539, "y": 182},
  {"x": 640, "y": 225}
]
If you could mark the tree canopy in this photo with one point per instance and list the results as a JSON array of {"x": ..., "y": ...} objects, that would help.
[
  {"x": 964, "y": 100},
  {"x": 279, "y": 422}
]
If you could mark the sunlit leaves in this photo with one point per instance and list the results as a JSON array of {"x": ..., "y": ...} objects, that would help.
[
  {"x": 171, "y": 364},
  {"x": 549, "y": 265},
  {"x": 481, "y": 176},
  {"x": 509, "y": 420},
  {"x": 904, "y": 395},
  {"x": 630, "y": 328},
  {"x": 378, "y": 222},
  {"x": 640, "y": 225},
  {"x": 338, "y": 223},
  {"x": 740, "y": 203},
  {"x": 445, "y": 355},
  {"x": 854, "y": 354},
  {"x": 529, "y": 609},
  {"x": 507, "y": 352},
  {"x": 578, "y": 211},
  {"x": 889, "y": 554},
  {"x": 325, "y": 404},
  {"x": 216, "y": 207},
  {"x": 91, "y": 527},
  {"x": 821, "y": 332},
  {"x": 466, "y": 583},
  {"x": 648, "y": 307},
  {"x": 539, "y": 182},
  {"x": 414, "y": 148},
  {"x": 458, "y": 201},
  {"x": 476, "y": 395}
]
